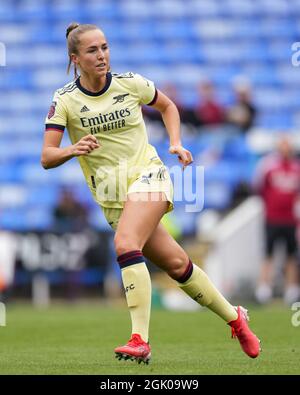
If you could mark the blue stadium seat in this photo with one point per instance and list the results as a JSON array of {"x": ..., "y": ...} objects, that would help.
[
  {"x": 203, "y": 9},
  {"x": 274, "y": 120},
  {"x": 236, "y": 148},
  {"x": 223, "y": 172},
  {"x": 9, "y": 172},
  {"x": 35, "y": 218},
  {"x": 41, "y": 196},
  {"x": 217, "y": 195},
  {"x": 241, "y": 9}
]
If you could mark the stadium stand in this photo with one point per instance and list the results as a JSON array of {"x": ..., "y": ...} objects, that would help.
[{"x": 167, "y": 41}]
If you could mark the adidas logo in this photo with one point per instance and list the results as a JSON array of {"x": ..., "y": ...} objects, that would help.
[{"x": 84, "y": 109}]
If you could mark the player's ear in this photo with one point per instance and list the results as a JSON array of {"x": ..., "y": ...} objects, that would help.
[{"x": 75, "y": 59}]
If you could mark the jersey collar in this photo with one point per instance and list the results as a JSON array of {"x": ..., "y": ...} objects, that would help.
[{"x": 103, "y": 90}]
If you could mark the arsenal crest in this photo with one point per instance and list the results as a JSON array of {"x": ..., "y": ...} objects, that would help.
[{"x": 52, "y": 110}]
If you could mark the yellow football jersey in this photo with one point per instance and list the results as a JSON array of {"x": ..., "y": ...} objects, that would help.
[{"x": 114, "y": 117}]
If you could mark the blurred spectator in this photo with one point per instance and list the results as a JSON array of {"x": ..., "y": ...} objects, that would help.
[
  {"x": 209, "y": 111},
  {"x": 278, "y": 182},
  {"x": 170, "y": 90},
  {"x": 187, "y": 116},
  {"x": 241, "y": 192},
  {"x": 242, "y": 113},
  {"x": 69, "y": 214}
]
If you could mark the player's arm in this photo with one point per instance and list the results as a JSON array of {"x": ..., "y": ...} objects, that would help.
[
  {"x": 261, "y": 175},
  {"x": 53, "y": 155},
  {"x": 171, "y": 119}
]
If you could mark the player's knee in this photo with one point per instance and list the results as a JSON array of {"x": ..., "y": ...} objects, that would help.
[
  {"x": 124, "y": 243},
  {"x": 177, "y": 266}
]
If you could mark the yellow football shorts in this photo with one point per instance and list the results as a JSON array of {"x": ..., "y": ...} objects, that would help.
[{"x": 153, "y": 179}]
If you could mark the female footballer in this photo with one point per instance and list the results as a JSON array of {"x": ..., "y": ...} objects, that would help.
[{"x": 102, "y": 112}]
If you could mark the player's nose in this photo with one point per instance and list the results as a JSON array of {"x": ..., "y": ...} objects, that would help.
[{"x": 100, "y": 54}]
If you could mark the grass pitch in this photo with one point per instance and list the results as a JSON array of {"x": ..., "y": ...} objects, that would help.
[{"x": 80, "y": 339}]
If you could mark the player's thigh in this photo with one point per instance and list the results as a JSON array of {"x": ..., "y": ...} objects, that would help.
[
  {"x": 164, "y": 251},
  {"x": 140, "y": 216},
  {"x": 291, "y": 241},
  {"x": 271, "y": 238}
]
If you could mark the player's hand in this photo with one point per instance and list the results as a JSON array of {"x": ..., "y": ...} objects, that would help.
[
  {"x": 184, "y": 156},
  {"x": 85, "y": 145}
]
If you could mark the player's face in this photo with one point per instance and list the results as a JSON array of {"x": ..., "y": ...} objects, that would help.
[
  {"x": 285, "y": 148},
  {"x": 93, "y": 54}
]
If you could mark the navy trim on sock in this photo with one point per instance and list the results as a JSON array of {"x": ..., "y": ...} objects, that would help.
[
  {"x": 130, "y": 258},
  {"x": 187, "y": 274}
]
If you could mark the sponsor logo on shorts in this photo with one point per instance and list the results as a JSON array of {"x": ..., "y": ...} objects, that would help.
[
  {"x": 145, "y": 179},
  {"x": 161, "y": 175}
]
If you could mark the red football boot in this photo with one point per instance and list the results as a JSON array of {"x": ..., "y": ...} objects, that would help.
[
  {"x": 135, "y": 350},
  {"x": 239, "y": 329}
]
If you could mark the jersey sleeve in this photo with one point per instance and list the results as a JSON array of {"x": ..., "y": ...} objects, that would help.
[
  {"x": 145, "y": 89},
  {"x": 260, "y": 176},
  {"x": 56, "y": 118}
]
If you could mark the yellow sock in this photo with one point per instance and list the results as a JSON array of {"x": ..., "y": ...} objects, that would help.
[
  {"x": 201, "y": 289},
  {"x": 137, "y": 286}
]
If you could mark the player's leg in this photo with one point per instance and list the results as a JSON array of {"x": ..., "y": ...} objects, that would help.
[
  {"x": 292, "y": 290},
  {"x": 140, "y": 216},
  {"x": 165, "y": 252},
  {"x": 263, "y": 291}
]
